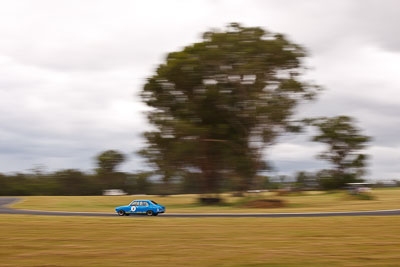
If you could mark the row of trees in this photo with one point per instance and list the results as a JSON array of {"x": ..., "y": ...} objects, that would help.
[{"x": 76, "y": 182}]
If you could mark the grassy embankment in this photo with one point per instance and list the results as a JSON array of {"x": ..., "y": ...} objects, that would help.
[
  {"x": 153, "y": 241},
  {"x": 306, "y": 202}
]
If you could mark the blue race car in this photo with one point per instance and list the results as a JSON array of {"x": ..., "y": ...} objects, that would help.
[{"x": 148, "y": 207}]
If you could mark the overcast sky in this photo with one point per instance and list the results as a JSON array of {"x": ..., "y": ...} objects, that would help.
[{"x": 70, "y": 73}]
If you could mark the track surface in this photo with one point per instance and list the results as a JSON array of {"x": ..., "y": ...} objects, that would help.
[{"x": 9, "y": 200}]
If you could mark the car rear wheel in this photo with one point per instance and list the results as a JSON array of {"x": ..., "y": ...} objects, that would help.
[
  {"x": 149, "y": 213},
  {"x": 121, "y": 213}
]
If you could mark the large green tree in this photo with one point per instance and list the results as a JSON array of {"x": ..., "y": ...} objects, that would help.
[
  {"x": 344, "y": 143},
  {"x": 218, "y": 103}
]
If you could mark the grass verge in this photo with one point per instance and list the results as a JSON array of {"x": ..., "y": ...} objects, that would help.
[{"x": 143, "y": 241}]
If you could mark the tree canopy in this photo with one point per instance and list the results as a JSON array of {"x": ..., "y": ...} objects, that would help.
[
  {"x": 218, "y": 103},
  {"x": 344, "y": 142}
]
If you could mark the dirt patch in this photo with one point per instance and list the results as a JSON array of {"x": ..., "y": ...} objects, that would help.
[{"x": 265, "y": 203}]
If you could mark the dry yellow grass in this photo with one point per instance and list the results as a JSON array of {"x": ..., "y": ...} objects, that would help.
[
  {"x": 154, "y": 241},
  {"x": 307, "y": 202}
]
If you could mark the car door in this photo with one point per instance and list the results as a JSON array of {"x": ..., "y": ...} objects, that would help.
[
  {"x": 134, "y": 207},
  {"x": 141, "y": 208},
  {"x": 145, "y": 206}
]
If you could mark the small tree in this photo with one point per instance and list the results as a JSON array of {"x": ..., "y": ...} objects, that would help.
[
  {"x": 109, "y": 160},
  {"x": 344, "y": 143}
]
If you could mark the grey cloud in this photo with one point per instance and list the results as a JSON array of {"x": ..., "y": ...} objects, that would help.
[{"x": 379, "y": 19}]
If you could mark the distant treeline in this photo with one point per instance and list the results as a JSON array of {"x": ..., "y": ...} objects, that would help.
[
  {"x": 71, "y": 182},
  {"x": 75, "y": 182}
]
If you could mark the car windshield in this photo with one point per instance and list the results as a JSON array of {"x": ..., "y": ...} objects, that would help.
[{"x": 155, "y": 203}]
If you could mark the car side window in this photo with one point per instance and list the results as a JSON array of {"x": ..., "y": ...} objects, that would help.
[
  {"x": 135, "y": 203},
  {"x": 140, "y": 203},
  {"x": 145, "y": 204}
]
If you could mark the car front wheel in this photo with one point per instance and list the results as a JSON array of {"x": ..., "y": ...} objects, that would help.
[
  {"x": 121, "y": 213},
  {"x": 149, "y": 213}
]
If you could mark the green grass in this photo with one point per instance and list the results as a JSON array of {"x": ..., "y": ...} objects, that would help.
[
  {"x": 156, "y": 241},
  {"x": 307, "y": 202}
]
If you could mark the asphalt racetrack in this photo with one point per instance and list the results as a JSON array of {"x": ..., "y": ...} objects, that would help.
[{"x": 9, "y": 200}]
